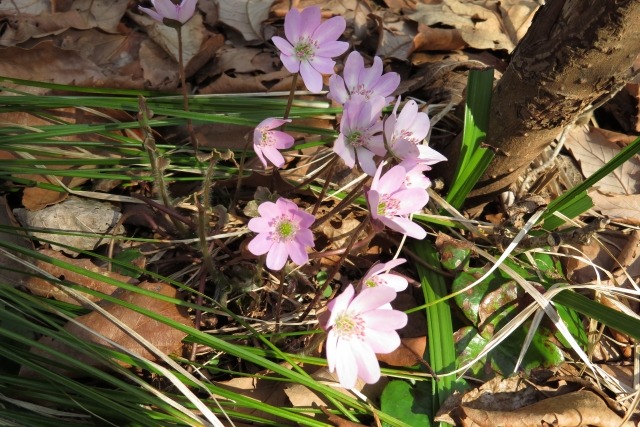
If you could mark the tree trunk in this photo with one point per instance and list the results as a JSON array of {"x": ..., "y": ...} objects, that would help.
[{"x": 575, "y": 52}]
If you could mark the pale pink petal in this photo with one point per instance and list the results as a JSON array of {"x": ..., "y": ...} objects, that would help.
[
  {"x": 404, "y": 226},
  {"x": 331, "y": 348},
  {"x": 353, "y": 66},
  {"x": 165, "y": 8},
  {"x": 372, "y": 299},
  {"x": 260, "y": 245},
  {"x": 284, "y": 205},
  {"x": 273, "y": 155},
  {"x": 387, "y": 84},
  {"x": 392, "y": 180},
  {"x": 365, "y": 160},
  {"x": 407, "y": 115},
  {"x": 382, "y": 266},
  {"x": 346, "y": 364},
  {"x": 322, "y": 65},
  {"x": 311, "y": 77},
  {"x": 345, "y": 151},
  {"x": 368, "y": 366},
  {"x": 309, "y": 20},
  {"x": 293, "y": 25},
  {"x": 382, "y": 342},
  {"x": 330, "y": 30},
  {"x": 397, "y": 283},
  {"x": 332, "y": 49},
  {"x": 376, "y": 144},
  {"x": 297, "y": 252},
  {"x": 152, "y": 13},
  {"x": 305, "y": 219},
  {"x": 277, "y": 256},
  {"x": 305, "y": 237},
  {"x": 186, "y": 10},
  {"x": 272, "y": 123},
  {"x": 373, "y": 200},
  {"x": 258, "y": 150},
  {"x": 290, "y": 62},
  {"x": 429, "y": 156},
  {"x": 389, "y": 129},
  {"x": 369, "y": 77},
  {"x": 337, "y": 91},
  {"x": 259, "y": 224},
  {"x": 282, "y": 140},
  {"x": 411, "y": 200},
  {"x": 284, "y": 46},
  {"x": 268, "y": 210},
  {"x": 405, "y": 150},
  {"x": 384, "y": 320}
]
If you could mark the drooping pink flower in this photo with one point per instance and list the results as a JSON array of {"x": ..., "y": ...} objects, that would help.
[
  {"x": 391, "y": 203},
  {"x": 379, "y": 275},
  {"x": 166, "y": 9},
  {"x": 358, "y": 81},
  {"x": 283, "y": 232},
  {"x": 405, "y": 133},
  {"x": 267, "y": 142},
  {"x": 310, "y": 45},
  {"x": 358, "y": 328},
  {"x": 361, "y": 134}
]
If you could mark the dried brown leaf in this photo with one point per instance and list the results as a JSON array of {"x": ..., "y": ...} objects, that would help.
[
  {"x": 396, "y": 37},
  {"x": 245, "y": 16},
  {"x": 593, "y": 147},
  {"x": 43, "y": 288},
  {"x": 479, "y": 23},
  {"x": 619, "y": 207},
  {"x": 165, "y": 338}
]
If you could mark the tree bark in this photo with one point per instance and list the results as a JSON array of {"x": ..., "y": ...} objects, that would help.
[{"x": 575, "y": 53}]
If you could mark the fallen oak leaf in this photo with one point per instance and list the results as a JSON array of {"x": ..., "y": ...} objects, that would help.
[{"x": 163, "y": 337}]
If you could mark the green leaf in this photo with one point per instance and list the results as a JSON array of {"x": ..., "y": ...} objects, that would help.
[{"x": 408, "y": 403}]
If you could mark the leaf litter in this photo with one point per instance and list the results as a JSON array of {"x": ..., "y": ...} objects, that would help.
[{"x": 226, "y": 52}]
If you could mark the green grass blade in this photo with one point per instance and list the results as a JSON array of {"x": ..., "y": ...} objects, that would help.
[{"x": 473, "y": 159}]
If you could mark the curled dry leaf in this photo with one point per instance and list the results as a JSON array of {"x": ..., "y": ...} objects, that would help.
[
  {"x": 76, "y": 215},
  {"x": 244, "y": 16},
  {"x": 86, "y": 327}
]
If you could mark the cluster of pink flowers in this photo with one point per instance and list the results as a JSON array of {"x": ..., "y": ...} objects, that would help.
[{"x": 360, "y": 322}]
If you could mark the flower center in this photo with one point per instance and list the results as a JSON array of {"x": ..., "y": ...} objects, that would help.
[
  {"x": 356, "y": 139},
  {"x": 372, "y": 282},
  {"x": 284, "y": 230},
  {"x": 360, "y": 89},
  {"x": 388, "y": 207},
  {"x": 349, "y": 327},
  {"x": 267, "y": 138},
  {"x": 406, "y": 135},
  {"x": 305, "y": 49}
]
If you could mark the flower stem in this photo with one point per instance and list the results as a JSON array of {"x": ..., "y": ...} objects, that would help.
[
  {"x": 294, "y": 83},
  {"x": 232, "y": 207},
  {"x": 336, "y": 268},
  {"x": 183, "y": 83},
  {"x": 353, "y": 194},
  {"x": 327, "y": 181}
]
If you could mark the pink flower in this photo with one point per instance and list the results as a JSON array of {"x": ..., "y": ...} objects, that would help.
[
  {"x": 361, "y": 134},
  {"x": 405, "y": 132},
  {"x": 267, "y": 142},
  {"x": 310, "y": 45},
  {"x": 391, "y": 203},
  {"x": 166, "y": 9},
  {"x": 358, "y": 328},
  {"x": 283, "y": 232},
  {"x": 367, "y": 83},
  {"x": 378, "y": 275}
]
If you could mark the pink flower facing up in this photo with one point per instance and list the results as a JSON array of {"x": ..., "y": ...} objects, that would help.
[
  {"x": 267, "y": 142},
  {"x": 358, "y": 328},
  {"x": 283, "y": 232},
  {"x": 166, "y": 9},
  {"x": 391, "y": 203},
  {"x": 310, "y": 45},
  {"x": 379, "y": 275},
  {"x": 405, "y": 132},
  {"x": 358, "y": 81},
  {"x": 361, "y": 134}
]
